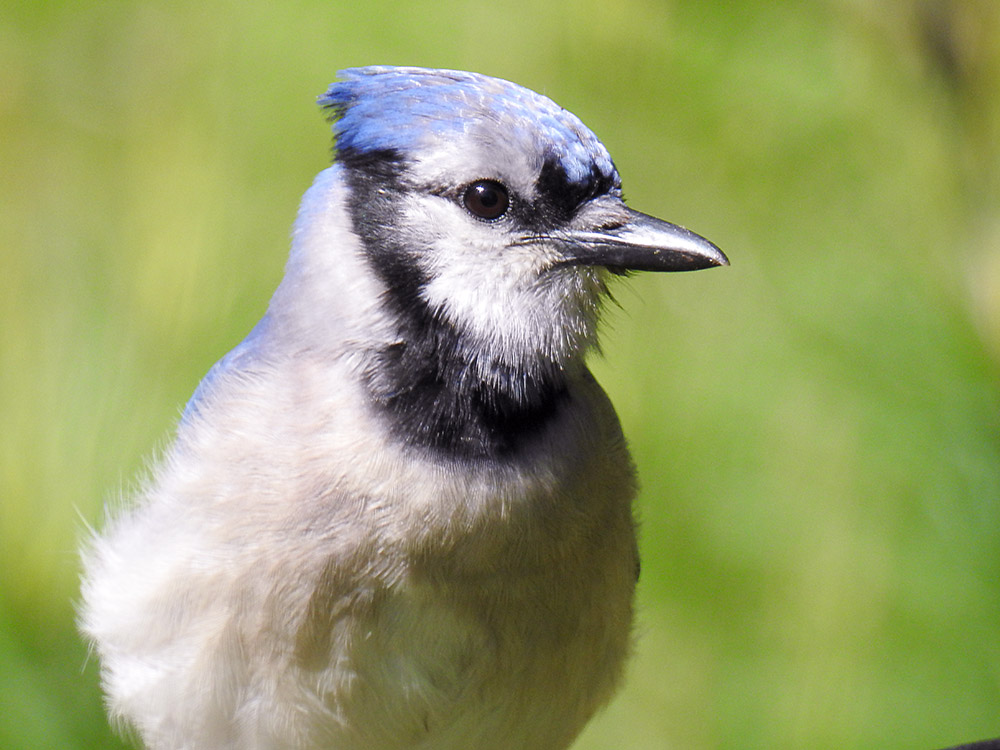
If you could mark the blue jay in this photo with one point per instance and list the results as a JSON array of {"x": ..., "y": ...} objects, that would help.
[{"x": 398, "y": 514}]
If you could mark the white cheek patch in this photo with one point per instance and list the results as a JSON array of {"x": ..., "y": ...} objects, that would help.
[{"x": 509, "y": 298}]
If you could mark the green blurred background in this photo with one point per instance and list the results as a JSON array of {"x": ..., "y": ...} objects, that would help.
[{"x": 817, "y": 428}]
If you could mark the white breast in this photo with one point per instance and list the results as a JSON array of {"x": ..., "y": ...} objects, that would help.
[{"x": 309, "y": 584}]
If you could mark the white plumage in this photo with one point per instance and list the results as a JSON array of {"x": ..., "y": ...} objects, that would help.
[{"x": 313, "y": 564}]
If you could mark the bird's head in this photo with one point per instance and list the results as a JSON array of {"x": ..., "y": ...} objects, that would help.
[{"x": 491, "y": 210}]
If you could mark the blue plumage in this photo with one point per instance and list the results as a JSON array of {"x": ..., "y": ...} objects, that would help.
[{"x": 402, "y": 109}]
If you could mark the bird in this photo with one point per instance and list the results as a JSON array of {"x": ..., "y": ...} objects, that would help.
[{"x": 399, "y": 514}]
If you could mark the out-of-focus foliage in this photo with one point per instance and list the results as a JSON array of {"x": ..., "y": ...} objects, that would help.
[{"x": 817, "y": 427}]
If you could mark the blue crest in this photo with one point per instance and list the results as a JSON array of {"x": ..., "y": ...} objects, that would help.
[{"x": 399, "y": 109}]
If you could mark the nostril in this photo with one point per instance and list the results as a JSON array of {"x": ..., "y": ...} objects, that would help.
[{"x": 610, "y": 226}]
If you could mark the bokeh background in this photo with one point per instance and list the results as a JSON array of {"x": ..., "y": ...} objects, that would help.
[{"x": 817, "y": 428}]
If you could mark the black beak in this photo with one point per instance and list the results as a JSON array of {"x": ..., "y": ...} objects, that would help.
[{"x": 640, "y": 243}]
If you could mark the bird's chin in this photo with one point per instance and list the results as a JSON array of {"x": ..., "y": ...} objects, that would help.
[
  {"x": 597, "y": 271},
  {"x": 556, "y": 324}
]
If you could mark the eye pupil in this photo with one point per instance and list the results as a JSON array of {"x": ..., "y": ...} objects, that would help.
[{"x": 487, "y": 199}]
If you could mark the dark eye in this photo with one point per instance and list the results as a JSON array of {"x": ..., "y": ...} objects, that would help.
[{"x": 487, "y": 199}]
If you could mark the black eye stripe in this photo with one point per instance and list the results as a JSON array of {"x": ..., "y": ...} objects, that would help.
[
  {"x": 486, "y": 199},
  {"x": 564, "y": 196}
]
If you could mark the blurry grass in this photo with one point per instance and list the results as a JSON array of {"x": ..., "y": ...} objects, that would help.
[{"x": 817, "y": 428}]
